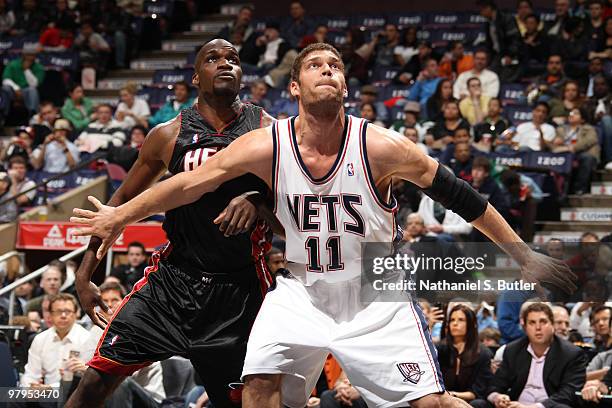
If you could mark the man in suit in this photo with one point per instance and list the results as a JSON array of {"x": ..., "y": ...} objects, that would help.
[{"x": 540, "y": 370}]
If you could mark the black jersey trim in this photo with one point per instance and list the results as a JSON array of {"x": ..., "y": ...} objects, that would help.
[
  {"x": 341, "y": 152},
  {"x": 275, "y": 162},
  {"x": 387, "y": 206}
]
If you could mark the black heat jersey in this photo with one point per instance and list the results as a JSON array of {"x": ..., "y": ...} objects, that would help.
[{"x": 197, "y": 243}]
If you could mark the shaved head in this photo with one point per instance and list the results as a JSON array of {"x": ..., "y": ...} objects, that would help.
[
  {"x": 217, "y": 71},
  {"x": 211, "y": 45}
]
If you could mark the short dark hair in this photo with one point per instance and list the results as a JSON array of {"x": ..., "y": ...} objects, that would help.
[
  {"x": 537, "y": 307},
  {"x": 486, "y": 3},
  {"x": 297, "y": 64},
  {"x": 182, "y": 83},
  {"x": 600, "y": 2},
  {"x": 473, "y": 79},
  {"x": 139, "y": 127},
  {"x": 73, "y": 86},
  {"x": 598, "y": 309},
  {"x": 17, "y": 160},
  {"x": 524, "y": 1},
  {"x": 555, "y": 55},
  {"x": 537, "y": 18},
  {"x": 105, "y": 105},
  {"x": 544, "y": 104},
  {"x": 482, "y": 162},
  {"x": 105, "y": 287},
  {"x": 137, "y": 245},
  {"x": 490, "y": 333},
  {"x": 67, "y": 297}
]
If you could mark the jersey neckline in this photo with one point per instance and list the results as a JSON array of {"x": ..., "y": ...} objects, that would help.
[{"x": 332, "y": 171}]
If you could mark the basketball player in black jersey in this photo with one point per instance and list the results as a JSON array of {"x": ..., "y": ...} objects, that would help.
[{"x": 201, "y": 293}]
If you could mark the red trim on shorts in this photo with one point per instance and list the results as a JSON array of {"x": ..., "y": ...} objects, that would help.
[
  {"x": 429, "y": 357},
  {"x": 260, "y": 245},
  {"x": 112, "y": 367}
]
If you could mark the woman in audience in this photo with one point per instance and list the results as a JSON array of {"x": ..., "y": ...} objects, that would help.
[
  {"x": 132, "y": 111},
  {"x": 465, "y": 363},
  {"x": 78, "y": 109},
  {"x": 571, "y": 99},
  {"x": 443, "y": 94},
  {"x": 368, "y": 111},
  {"x": 443, "y": 131},
  {"x": 474, "y": 107}
]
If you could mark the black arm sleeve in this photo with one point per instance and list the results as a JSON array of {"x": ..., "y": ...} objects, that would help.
[{"x": 456, "y": 195}]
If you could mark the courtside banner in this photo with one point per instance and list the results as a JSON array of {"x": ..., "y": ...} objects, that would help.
[{"x": 58, "y": 236}]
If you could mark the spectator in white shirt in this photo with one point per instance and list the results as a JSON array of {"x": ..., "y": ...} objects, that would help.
[
  {"x": 101, "y": 133},
  {"x": 57, "y": 154},
  {"x": 488, "y": 79},
  {"x": 442, "y": 222},
  {"x": 534, "y": 135},
  {"x": 17, "y": 169},
  {"x": 146, "y": 383},
  {"x": 132, "y": 111},
  {"x": 53, "y": 352}
]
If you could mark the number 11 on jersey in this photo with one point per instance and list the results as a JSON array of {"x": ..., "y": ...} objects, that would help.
[{"x": 333, "y": 252}]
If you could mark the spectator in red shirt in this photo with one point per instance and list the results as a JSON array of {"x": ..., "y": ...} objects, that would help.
[{"x": 57, "y": 37}]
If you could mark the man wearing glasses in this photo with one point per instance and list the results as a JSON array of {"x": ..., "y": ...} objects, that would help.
[{"x": 53, "y": 352}]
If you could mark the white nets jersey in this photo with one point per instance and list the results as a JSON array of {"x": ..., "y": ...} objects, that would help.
[{"x": 327, "y": 219}]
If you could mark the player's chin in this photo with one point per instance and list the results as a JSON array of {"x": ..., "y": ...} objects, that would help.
[{"x": 226, "y": 89}]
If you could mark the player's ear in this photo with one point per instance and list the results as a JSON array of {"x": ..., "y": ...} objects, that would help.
[
  {"x": 294, "y": 88},
  {"x": 195, "y": 79}
]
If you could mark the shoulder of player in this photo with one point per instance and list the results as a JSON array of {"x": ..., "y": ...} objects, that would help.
[
  {"x": 381, "y": 143},
  {"x": 164, "y": 133}
]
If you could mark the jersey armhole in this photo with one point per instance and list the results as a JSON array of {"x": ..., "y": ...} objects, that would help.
[
  {"x": 275, "y": 163},
  {"x": 391, "y": 205}
]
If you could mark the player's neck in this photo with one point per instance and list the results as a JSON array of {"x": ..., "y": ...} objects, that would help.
[
  {"x": 218, "y": 112},
  {"x": 322, "y": 133}
]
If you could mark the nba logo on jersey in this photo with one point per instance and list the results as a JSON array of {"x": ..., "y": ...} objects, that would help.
[
  {"x": 195, "y": 138},
  {"x": 350, "y": 169},
  {"x": 410, "y": 371}
]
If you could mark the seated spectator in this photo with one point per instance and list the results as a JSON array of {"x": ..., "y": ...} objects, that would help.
[
  {"x": 595, "y": 29},
  {"x": 93, "y": 48},
  {"x": 385, "y": 44},
  {"x": 19, "y": 145},
  {"x": 461, "y": 162},
  {"x": 101, "y": 133},
  {"x": 554, "y": 28},
  {"x": 593, "y": 260},
  {"x": 456, "y": 61},
  {"x": 600, "y": 365},
  {"x": 560, "y": 108},
  {"x": 464, "y": 362},
  {"x": 555, "y": 249},
  {"x": 596, "y": 65},
  {"x": 524, "y": 9},
  {"x": 297, "y": 25},
  {"x": 143, "y": 388},
  {"x": 489, "y": 80},
  {"x": 271, "y": 47},
  {"x": 42, "y": 122},
  {"x": 579, "y": 138},
  {"x": 61, "y": 12},
  {"x": 443, "y": 131},
  {"x": 57, "y": 37},
  {"x": 411, "y": 119},
  {"x": 22, "y": 77},
  {"x": 8, "y": 211},
  {"x": 599, "y": 108},
  {"x": 534, "y": 47},
  {"x": 257, "y": 95},
  {"x": 7, "y": 18},
  {"x": 137, "y": 136},
  {"x": 241, "y": 24},
  {"x": 132, "y": 110},
  {"x": 487, "y": 186},
  {"x": 426, "y": 83},
  {"x": 130, "y": 273},
  {"x": 114, "y": 22},
  {"x": 413, "y": 135},
  {"x": 442, "y": 222},
  {"x": 173, "y": 107},
  {"x": 503, "y": 36},
  {"x": 561, "y": 321},
  {"x": 368, "y": 94},
  {"x": 593, "y": 390},
  {"x": 56, "y": 350},
  {"x": 342, "y": 395},
  {"x": 524, "y": 196},
  {"x": 28, "y": 19},
  {"x": 490, "y": 338},
  {"x": 442, "y": 94},
  {"x": 17, "y": 169},
  {"x": 572, "y": 46},
  {"x": 448, "y": 154},
  {"x": 526, "y": 375},
  {"x": 368, "y": 112},
  {"x": 413, "y": 67},
  {"x": 275, "y": 259},
  {"x": 600, "y": 322},
  {"x": 491, "y": 127},
  {"x": 50, "y": 282},
  {"x": 78, "y": 108},
  {"x": 535, "y": 135},
  {"x": 485, "y": 317},
  {"x": 474, "y": 107},
  {"x": 57, "y": 154},
  {"x": 549, "y": 84},
  {"x": 408, "y": 47}
]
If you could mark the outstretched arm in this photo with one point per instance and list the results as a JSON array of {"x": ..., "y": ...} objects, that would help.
[
  {"x": 393, "y": 155},
  {"x": 251, "y": 153}
]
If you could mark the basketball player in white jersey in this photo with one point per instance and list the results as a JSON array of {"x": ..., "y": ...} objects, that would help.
[{"x": 331, "y": 177}]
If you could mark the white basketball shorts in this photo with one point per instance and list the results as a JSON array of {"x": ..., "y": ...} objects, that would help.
[{"x": 384, "y": 347}]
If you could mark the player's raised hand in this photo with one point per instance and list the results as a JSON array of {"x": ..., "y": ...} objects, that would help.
[
  {"x": 89, "y": 296},
  {"x": 539, "y": 268},
  {"x": 103, "y": 224}
]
